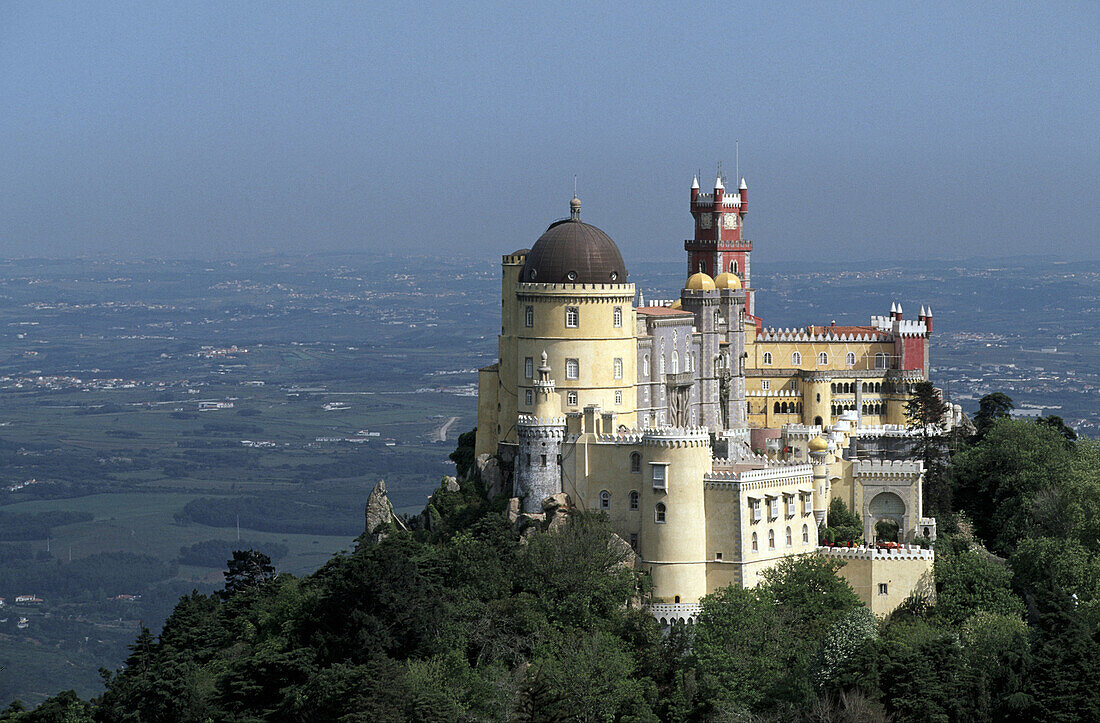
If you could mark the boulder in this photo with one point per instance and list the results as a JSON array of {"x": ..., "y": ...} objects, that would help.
[
  {"x": 552, "y": 503},
  {"x": 513, "y": 510},
  {"x": 451, "y": 484},
  {"x": 379, "y": 512},
  {"x": 492, "y": 477},
  {"x": 529, "y": 520},
  {"x": 620, "y": 546}
]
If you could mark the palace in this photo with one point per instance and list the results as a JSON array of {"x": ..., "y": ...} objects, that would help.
[{"x": 713, "y": 443}]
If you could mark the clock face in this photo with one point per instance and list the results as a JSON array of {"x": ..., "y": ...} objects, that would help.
[
  {"x": 729, "y": 220},
  {"x": 704, "y": 220}
]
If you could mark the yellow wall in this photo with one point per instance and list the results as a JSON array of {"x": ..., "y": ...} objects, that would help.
[{"x": 902, "y": 574}]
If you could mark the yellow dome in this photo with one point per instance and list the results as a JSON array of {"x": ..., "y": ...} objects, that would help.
[
  {"x": 676, "y": 305},
  {"x": 818, "y": 444},
  {"x": 727, "y": 280},
  {"x": 700, "y": 282}
]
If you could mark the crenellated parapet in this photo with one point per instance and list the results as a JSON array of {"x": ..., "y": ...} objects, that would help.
[
  {"x": 774, "y": 334},
  {"x": 676, "y": 437},
  {"x": 903, "y": 552},
  {"x": 533, "y": 422},
  {"x": 801, "y": 431},
  {"x": 887, "y": 468},
  {"x": 575, "y": 293}
]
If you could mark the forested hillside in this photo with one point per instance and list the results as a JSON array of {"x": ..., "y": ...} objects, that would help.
[{"x": 472, "y": 621}]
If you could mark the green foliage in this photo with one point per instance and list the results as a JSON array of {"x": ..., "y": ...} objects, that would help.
[
  {"x": 247, "y": 570},
  {"x": 463, "y": 456},
  {"x": 992, "y": 407},
  {"x": 972, "y": 581},
  {"x": 843, "y": 639},
  {"x": 22, "y": 526},
  {"x": 841, "y": 524}
]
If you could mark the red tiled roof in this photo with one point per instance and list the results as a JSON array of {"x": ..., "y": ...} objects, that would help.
[{"x": 661, "y": 311}]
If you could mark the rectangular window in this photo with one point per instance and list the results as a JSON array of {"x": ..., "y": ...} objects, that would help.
[
  {"x": 571, "y": 399},
  {"x": 718, "y": 556},
  {"x": 618, "y": 396},
  {"x": 572, "y": 316},
  {"x": 618, "y": 317},
  {"x": 529, "y": 316},
  {"x": 807, "y": 503},
  {"x": 883, "y": 589},
  {"x": 773, "y": 507},
  {"x": 529, "y": 368},
  {"x": 529, "y": 397},
  {"x": 789, "y": 499},
  {"x": 765, "y": 384},
  {"x": 660, "y": 482},
  {"x": 756, "y": 511},
  {"x": 572, "y": 369}
]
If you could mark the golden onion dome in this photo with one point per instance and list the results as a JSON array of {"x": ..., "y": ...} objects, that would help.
[
  {"x": 676, "y": 305},
  {"x": 727, "y": 280},
  {"x": 700, "y": 282},
  {"x": 818, "y": 444}
]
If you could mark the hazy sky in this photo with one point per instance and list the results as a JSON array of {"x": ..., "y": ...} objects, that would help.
[{"x": 878, "y": 129}]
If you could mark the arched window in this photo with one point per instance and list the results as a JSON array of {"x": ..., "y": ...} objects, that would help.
[
  {"x": 878, "y": 387},
  {"x": 850, "y": 359},
  {"x": 822, "y": 359},
  {"x": 834, "y": 387},
  {"x": 880, "y": 361},
  {"x": 694, "y": 361},
  {"x": 796, "y": 359},
  {"x": 703, "y": 266},
  {"x": 675, "y": 362},
  {"x": 605, "y": 500},
  {"x": 635, "y": 462},
  {"x": 645, "y": 366},
  {"x": 755, "y": 543},
  {"x": 767, "y": 357},
  {"x": 572, "y": 369},
  {"x": 659, "y": 513},
  {"x": 771, "y": 539},
  {"x": 776, "y": 409},
  {"x": 634, "y": 499},
  {"x": 529, "y": 316},
  {"x": 805, "y": 534},
  {"x": 617, "y": 317},
  {"x": 617, "y": 368},
  {"x": 717, "y": 318},
  {"x": 789, "y": 540}
]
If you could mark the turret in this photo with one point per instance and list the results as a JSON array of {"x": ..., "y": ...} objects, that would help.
[
  {"x": 719, "y": 191},
  {"x": 537, "y": 470},
  {"x": 819, "y": 459},
  {"x": 694, "y": 189},
  {"x": 744, "y": 190},
  {"x": 928, "y": 320}
]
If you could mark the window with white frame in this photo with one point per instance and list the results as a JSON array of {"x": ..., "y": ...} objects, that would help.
[
  {"x": 790, "y": 540},
  {"x": 605, "y": 500},
  {"x": 617, "y": 317},
  {"x": 645, "y": 366},
  {"x": 771, "y": 539},
  {"x": 883, "y": 588},
  {"x": 789, "y": 500},
  {"x": 805, "y": 534},
  {"x": 773, "y": 507},
  {"x": 765, "y": 384},
  {"x": 675, "y": 362},
  {"x": 822, "y": 359},
  {"x": 617, "y": 368},
  {"x": 767, "y": 357},
  {"x": 662, "y": 365},
  {"x": 807, "y": 503},
  {"x": 754, "y": 506},
  {"x": 660, "y": 476},
  {"x": 880, "y": 361},
  {"x": 572, "y": 316},
  {"x": 571, "y": 399},
  {"x": 618, "y": 396},
  {"x": 528, "y": 396},
  {"x": 529, "y": 368},
  {"x": 529, "y": 316},
  {"x": 717, "y": 318},
  {"x": 796, "y": 359},
  {"x": 633, "y": 499},
  {"x": 850, "y": 359},
  {"x": 660, "y": 513},
  {"x": 755, "y": 542},
  {"x": 572, "y": 369}
]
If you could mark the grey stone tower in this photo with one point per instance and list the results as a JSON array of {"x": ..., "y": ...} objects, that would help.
[{"x": 537, "y": 471}]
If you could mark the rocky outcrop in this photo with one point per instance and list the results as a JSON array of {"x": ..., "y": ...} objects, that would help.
[
  {"x": 379, "y": 517},
  {"x": 492, "y": 476},
  {"x": 451, "y": 484},
  {"x": 556, "y": 509}
]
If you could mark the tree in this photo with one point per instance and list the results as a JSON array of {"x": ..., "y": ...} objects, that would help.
[
  {"x": 925, "y": 412},
  {"x": 1057, "y": 423},
  {"x": 972, "y": 581},
  {"x": 463, "y": 456},
  {"x": 247, "y": 570},
  {"x": 992, "y": 407}
]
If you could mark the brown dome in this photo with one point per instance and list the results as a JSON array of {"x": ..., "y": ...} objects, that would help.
[{"x": 573, "y": 252}]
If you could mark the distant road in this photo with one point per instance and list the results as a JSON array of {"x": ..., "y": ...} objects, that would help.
[{"x": 440, "y": 433}]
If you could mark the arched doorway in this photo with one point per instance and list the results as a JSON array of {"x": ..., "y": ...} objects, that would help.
[
  {"x": 818, "y": 422},
  {"x": 889, "y": 509},
  {"x": 886, "y": 530}
]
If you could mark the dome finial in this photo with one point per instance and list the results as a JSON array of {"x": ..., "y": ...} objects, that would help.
[{"x": 575, "y": 208}]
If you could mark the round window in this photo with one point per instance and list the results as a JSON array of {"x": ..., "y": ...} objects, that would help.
[{"x": 572, "y": 276}]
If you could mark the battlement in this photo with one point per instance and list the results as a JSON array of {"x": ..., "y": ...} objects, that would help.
[
  {"x": 668, "y": 613},
  {"x": 676, "y": 437},
  {"x": 633, "y": 436},
  {"x": 904, "y": 327},
  {"x": 887, "y": 468},
  {"x": 884, "y": 430},
  {"x": 805, "y": 335},
  {"x": 776, "y": 471},
  {"x": 905, "y": 552},
  {"x": 801, "y": 431},
  {"x": 773, "y": 393},
  {"x": 606, "y": 291},
  {"x": 706, "y": 200}
]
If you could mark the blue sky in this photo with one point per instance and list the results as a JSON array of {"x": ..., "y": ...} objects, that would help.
[{"x": 880, "y": 130}]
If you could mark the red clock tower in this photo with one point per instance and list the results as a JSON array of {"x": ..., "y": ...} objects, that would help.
[{"x": 718, "y": 246}]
